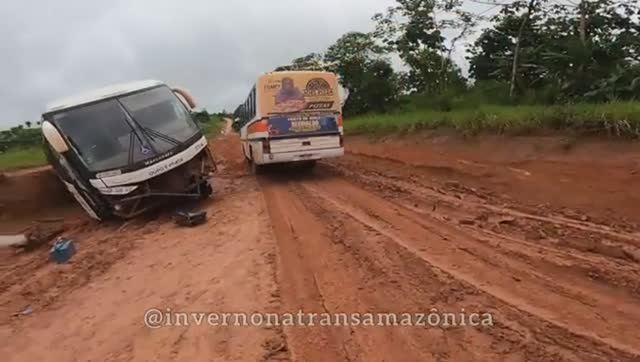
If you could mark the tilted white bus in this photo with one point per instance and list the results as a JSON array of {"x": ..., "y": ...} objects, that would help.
[
  {"x": 291, "y": 116},
  {"x": 123, "y": 149}
]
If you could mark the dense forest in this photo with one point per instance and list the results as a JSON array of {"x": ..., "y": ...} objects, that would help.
[{"x": 528, "y": 52}]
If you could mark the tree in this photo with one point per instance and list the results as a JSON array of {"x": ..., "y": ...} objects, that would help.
[
  {"x": 411, "y": 29},
  {"x": 312, "y": 61},
  {"x": 516, "y": 52},
  {"x": 510, "y": 45},
  {"x": 601, "y": 42},
  {"x": 19, "y": 136},
  {"x": 560, "y": 50},
  {"x": 379, "y": 88},
  {"x": 202, "y": 116},
  {"x": 369, "y": 77},
  {"x": 28, "y": 124}
]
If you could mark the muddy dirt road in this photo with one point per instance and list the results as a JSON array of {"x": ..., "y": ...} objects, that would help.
[{"x": 385, "y": 229}]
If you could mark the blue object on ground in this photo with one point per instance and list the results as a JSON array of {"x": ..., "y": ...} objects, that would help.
[{"x": 62, "y": 250}]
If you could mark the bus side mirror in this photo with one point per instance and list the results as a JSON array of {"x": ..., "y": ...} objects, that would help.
[
  {"x": 185, "y": 97},
  {"x": 54, "y": 138}
]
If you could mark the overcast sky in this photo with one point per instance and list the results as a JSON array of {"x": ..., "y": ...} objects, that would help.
[{"x": 53, "y": 49}]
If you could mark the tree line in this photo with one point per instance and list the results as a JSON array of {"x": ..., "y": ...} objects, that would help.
[
  {"x": 527, "y": 52},
  {"x": 20, "y": 136}
]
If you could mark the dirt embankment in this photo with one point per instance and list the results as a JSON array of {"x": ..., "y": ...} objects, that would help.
[
  {"x": 31, "y": 194},
  {"x": 594, "y": 175},
  {"x": 541, "y": 233}
]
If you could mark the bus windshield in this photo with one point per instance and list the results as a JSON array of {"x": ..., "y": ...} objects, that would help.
[
  {"x": 118, "y": 132},
  {"x": 99, "y": 133},
  {"x": 162, "y": 117}
]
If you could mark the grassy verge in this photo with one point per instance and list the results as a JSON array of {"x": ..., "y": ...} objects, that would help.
[
  {"x": 19, "y": 158},
  {"x": 620, "y": 119},
  {"x": 213, "y": 127}
]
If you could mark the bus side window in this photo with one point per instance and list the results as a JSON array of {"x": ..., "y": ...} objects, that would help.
[{"x": 254, "y": 102}]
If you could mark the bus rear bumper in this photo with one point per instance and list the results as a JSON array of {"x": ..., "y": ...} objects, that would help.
[{"x": 283, "y": 157}]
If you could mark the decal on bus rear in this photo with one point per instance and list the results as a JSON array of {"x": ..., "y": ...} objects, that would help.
[{"x": 301, "y": 123}]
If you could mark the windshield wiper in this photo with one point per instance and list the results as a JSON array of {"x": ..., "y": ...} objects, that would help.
[
  {"x": 132, "y": 138},
  {"x": 75, "y": 146},
  {"x": 149, "y": 132}
]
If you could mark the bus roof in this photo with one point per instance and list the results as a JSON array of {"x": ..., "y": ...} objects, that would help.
[{"x": 99, "y": 94}]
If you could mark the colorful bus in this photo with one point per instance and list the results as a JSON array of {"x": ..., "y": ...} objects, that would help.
[{"x": 292, "y": 116}]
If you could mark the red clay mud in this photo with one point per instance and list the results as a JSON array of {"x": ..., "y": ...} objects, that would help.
[{"x": 541, "y": 233}]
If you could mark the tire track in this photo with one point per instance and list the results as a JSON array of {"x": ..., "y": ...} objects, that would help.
[
  {"x": 613, "y": 263},
  {"x": 425, "y": 192},
  {"x": 329, "y": 263},
  {"x": 536, "y": 295}
]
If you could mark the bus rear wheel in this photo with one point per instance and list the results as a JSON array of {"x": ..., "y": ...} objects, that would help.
[
  {"x": 308, "y": 165},
  {"x": 253, "y": 168}
]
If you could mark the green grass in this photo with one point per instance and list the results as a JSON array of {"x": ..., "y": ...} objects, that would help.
[
  {"x": 213, "y": 127},
  {"x": 620, "y": 119},
  {"x": 18, "y": 158}
]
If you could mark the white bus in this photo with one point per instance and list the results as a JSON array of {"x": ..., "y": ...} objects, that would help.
[
  {"x": 123, "y": 149},
  {"x": 293, "y": 116}
]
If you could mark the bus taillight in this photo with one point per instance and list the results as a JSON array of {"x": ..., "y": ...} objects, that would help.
[
  {"x": 340, "y": 121},
  {"x": 266, "y": 147}
]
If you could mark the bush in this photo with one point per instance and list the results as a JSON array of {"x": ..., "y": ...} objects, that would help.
[
  {"x": 619, "y": 119},
  {"x": 20, "y": 137}
]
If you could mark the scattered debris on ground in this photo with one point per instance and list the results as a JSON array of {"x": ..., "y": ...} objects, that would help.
[
  {"x": 190, "y": 218},
  {"x": 19, "y": 240}
]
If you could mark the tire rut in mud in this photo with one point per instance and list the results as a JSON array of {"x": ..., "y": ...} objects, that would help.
[
  {"x": 355, "y": 252},
  {"x": 603, "y": 252}
]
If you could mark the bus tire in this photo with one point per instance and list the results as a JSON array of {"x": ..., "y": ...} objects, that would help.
[
  {"x": 205, "y": 190},
  {"x": 309, "y": 165},
  {"x": 254, "y": 169}
]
